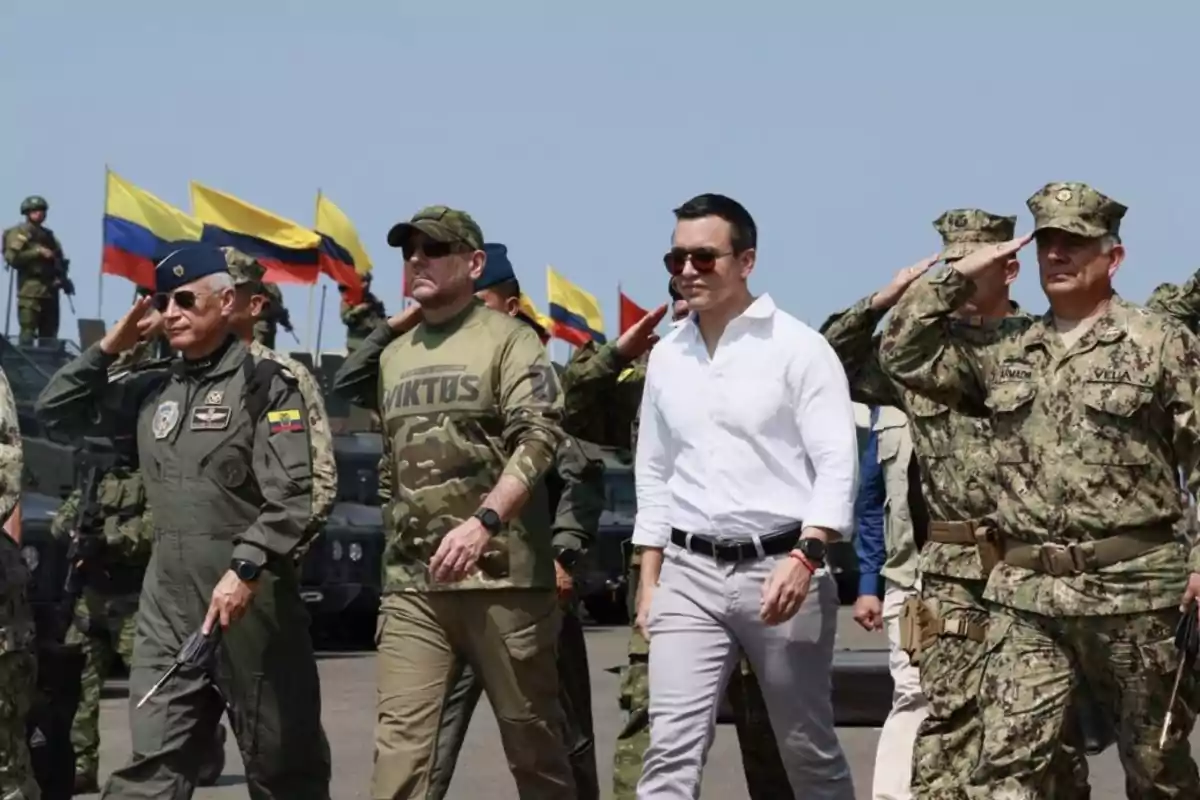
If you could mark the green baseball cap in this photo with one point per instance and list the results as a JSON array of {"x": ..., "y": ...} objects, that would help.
[{"x": 441, "y": 224}]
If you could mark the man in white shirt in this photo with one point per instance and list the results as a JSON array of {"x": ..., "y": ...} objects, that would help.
[{"x": 746, "y": 465}]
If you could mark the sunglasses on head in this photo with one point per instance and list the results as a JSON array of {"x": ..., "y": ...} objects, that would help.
[
  {"x": 704, "y": 259},
  {"x": 429, "y": 249},
  {"x": 184, "y": 298}
]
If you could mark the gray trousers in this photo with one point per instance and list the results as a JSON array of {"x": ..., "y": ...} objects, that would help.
[{"x": 702, "y": 613}]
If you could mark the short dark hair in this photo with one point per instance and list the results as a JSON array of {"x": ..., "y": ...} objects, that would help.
[
  {"x": 743, "y": 233},
  {"x": 507, "y": 289}
]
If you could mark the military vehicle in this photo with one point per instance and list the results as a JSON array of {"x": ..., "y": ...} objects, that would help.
[{"x": 601, "y": 576}]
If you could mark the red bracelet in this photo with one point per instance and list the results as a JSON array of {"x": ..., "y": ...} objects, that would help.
[{"x": 796, "y": 554}]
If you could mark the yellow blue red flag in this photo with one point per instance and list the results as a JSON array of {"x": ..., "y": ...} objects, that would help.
[
  {"x": 289, "y": 252},
  {"x": 343, "y": 258},
  {"x": 574, "y": 314},
  {"x": 140, "y": 230}
]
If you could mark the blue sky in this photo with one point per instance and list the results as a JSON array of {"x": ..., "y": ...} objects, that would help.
[{"x": 571, "y": 134}]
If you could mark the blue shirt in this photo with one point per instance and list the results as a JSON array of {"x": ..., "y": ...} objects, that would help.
[{"x": 869, "y": 516}]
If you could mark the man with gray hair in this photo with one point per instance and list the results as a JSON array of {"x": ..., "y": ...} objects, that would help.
[{"x": 223, "y": 443}]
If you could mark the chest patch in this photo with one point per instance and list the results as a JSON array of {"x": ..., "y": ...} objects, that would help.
[
  {"x": 166, "y": 417},
  {"x": 210, "y": 418},
  {"x": 286, "y": 420},
  {"x": 214, "y": 398}
]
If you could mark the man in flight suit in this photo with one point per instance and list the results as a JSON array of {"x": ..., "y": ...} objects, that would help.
[{"x": 224, "y": 449}]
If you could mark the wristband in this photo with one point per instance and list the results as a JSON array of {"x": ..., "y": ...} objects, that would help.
[{"x": 796, "y": 554}]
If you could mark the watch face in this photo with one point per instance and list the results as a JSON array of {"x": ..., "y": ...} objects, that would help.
[{"x": 813, "y": 549}]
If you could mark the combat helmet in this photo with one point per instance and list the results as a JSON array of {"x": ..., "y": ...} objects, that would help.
[{"x": 34, "y": 203}]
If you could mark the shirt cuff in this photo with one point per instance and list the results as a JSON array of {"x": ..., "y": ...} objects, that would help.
[
  {"x": 249, "y": 552},
  {"x": 645, "y": 536},
  {"x": 95, "y": 357},
  {"x": 830, "y": 519},
  {"x": 870, "y": 583}
]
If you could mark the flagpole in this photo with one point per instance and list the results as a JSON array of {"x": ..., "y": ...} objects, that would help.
[
  {"x": 100, "y": 277},
  {"x": 312, "y": 289},
  {"x": 321, "y": 318}
]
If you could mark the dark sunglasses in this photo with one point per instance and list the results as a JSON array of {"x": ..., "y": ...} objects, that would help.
[
  {"x": 184, "y": 298},
  {"x": 429, "y": 249},
  {"x": 704, "y": 259}
]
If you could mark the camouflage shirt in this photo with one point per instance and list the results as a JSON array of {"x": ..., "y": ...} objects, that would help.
[
  {"x": 1087, "y": 441},
  {"x": 16, "y": 617},
  {"x": 37, "y": 276},
  {"x": 462, "y": 403},
  {"x": 1181, "y": 302},
  {"x": 954, "y": 449},
  {"x": 603, "y": 396}
]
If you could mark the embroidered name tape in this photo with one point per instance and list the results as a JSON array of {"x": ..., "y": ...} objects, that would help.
[{"x": 286, "y": 420}]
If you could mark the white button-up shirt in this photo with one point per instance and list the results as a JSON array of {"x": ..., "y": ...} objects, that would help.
[{"x": 754, "y": 440}]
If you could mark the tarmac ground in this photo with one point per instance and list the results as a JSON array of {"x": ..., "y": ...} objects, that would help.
[{"x": 348, "y": 696}]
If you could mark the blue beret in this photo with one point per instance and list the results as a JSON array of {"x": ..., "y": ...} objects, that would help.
[
  {"x": 498, "y": 268},
  {"x": 187, "y": 264}
]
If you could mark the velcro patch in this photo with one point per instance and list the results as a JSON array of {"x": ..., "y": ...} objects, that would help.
[
  {"x": 285, "y": 420},
  {"x": 210, "y": 418}
]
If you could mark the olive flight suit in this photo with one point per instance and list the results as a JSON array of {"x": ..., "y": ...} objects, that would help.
[{"x": 222, "y": 485}]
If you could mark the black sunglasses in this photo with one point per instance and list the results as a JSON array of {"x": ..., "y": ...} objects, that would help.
[
  {"x": 184, "y": 298},
  {"x": 704, "y": 259},
  {"x": 429, "y": 249}
]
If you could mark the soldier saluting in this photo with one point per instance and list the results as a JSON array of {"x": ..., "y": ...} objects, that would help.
[
  {"x": 33, "y": 251},
  {"x": 223, "y": 444}
]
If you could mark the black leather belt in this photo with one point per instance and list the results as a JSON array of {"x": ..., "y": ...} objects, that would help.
[{"x": 772, "y": 545}]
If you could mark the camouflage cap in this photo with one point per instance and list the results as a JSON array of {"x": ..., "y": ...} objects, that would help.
[
  {"x": 966, "y": 229},
  {"x": 243, "y": 269},
  {"x": 1075, "y": 208},
  {"x": 440, "y": 223}
]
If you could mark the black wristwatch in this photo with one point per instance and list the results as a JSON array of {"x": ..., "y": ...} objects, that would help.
[
  {"x": 490, "y": 520},
  {"x": 248, "y": 571},
  {"x": 567, "y": 556},
  {"x": 813, "y": 550}
]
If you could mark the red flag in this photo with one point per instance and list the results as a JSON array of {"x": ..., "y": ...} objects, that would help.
[{"x": 631, "y": 312}]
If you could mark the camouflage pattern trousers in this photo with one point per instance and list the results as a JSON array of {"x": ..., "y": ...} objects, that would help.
[
  {"x": 1033, "y": 665},
  {"x": 18, "y": 678},
  {"x": 109, "y": 625},
  {"x": 38, "y": 318},
  {"x": 950, "y": 738},
  {"x": 766, "y": 779}
]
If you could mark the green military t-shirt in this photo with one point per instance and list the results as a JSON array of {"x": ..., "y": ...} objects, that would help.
[{"x": 463, "y": 403}]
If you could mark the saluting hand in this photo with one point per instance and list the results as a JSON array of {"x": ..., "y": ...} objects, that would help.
[
  {"x": 989, "y": 256},
  {"x": 641, "y": 336},
  {"x": 125, "y": 333},
  {"x": 405, "y": 320},
  {"x": 889, "y": 295}
]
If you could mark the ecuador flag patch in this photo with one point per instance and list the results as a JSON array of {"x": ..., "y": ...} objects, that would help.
[{"x": 285, "y": 420}]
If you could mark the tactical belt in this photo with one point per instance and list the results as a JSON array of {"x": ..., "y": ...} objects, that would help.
[
  {"x": 953, "y": 532},
  {"x": 1076, "y": 558},
  {"x": 772, "y": 545},
  {"x": 958, "y": 627}
]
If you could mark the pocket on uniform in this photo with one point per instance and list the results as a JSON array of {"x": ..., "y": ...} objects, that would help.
[
  {"x": 1160, "y": 657},
  {"x": 528, "y": 641}
]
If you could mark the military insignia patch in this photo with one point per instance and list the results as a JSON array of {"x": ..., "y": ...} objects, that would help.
[
  {"x": 166, "y": 417},
  {"x": 214, "y": 398},
  {"x": 178, "y": 270},
  {"x": 1063, "y": 195},
  {"x": 210, "y": 418},
  {"x": 286, "y": 420}
]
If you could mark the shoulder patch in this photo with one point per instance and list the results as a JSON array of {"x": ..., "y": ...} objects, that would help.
[{"x": 286, "y": 420}]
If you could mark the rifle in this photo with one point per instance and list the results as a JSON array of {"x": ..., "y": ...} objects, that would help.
[
  {"x": 68, "y": 287},
  {"x": 87, "y": 540}
]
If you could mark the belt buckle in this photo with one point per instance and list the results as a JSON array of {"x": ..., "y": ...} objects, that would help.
[{"x": 1051, "y": 557}]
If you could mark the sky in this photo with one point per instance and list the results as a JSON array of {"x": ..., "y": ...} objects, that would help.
[{"x": 569, "y": 131}]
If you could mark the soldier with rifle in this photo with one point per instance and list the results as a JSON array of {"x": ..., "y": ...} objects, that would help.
[{"x": 33, "y": 251}]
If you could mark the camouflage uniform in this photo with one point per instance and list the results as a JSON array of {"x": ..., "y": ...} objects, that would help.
[
  {"x": 245, "y": 270},
  {"x": 18, "y": 662},
  {"x": 959, "y": 486},
  {"x": 463, "y": 403},
  {"x": 39, "y": 277},
  {"x": 603, "y": 395},
  {"x": 1087, "y": 442},
  {"x": 361, "y": 319}
]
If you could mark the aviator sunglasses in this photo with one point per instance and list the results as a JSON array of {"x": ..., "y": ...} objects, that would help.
[
  {"x": 184, "y": 298},
  {"x": 430, "y": 250},
  {"x": 704, "y": 259}
]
